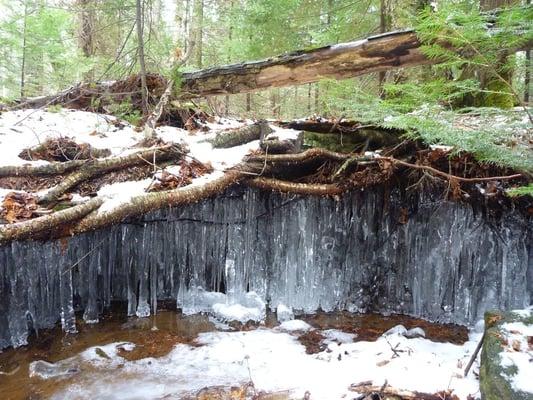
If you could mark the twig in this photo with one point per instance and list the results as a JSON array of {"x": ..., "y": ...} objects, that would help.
[
  {"x": 446, "y": 175},
  {"x": 474, "y": 355}
]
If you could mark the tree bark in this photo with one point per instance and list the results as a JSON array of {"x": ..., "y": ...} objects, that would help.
[
  {"x": 139, "y": 21},
  {"x": 296, "y": 188},
  {"x": 199, "y": 31},
  {"x": 240, "y": 136},
  {"x": 86, "y": 26},
  {"x": 378, "y": 53},
  {"x": 29, "y": 229}
]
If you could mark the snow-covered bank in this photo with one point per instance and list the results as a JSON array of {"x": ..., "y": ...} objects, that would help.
[
  {"x": 274, "y": 361},
  {"x": 24, "y": 129}
]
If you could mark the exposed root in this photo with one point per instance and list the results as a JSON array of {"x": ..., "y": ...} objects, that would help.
[
  {"x": 308, "y": 155},
  {"x": 450, "y": 177},
  {"x": 57, "y": 168}
]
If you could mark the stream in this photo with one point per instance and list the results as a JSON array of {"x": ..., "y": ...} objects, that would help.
[{"x": 171, "y": 355}]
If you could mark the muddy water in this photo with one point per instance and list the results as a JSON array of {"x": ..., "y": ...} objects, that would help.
[{"x": 158, "y": 335}]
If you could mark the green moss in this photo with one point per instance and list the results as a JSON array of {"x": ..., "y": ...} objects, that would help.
[
  {"x": 498, "y": 95},
  {"x": 493, "y": 378},
  {"x": 330, "y": 141},
  {"x": 521, "y": 191}
]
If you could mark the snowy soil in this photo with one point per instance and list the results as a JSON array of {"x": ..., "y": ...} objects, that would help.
[
  {"x": 272, "y": 359},
  {"x": 23, "y": 129},
  {"x": 518, "y": 352}
]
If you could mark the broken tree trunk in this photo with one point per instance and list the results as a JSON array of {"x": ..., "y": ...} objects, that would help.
[
  {"x": 345, "y": 60},
  {"x": 383, "y": 52}
]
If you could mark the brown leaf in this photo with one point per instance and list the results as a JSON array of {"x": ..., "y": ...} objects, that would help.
[{"x": 18, "y": 207}]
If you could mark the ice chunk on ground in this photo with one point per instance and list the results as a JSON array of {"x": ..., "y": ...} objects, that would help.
[
  {"x": 295, "y": 325},
  {"x": 237, "y": 312},
  {"x": 334, "y": 335},
  {"x": 243, "y": 308},
  {"x": 398, "y": 330},
  {"x": 415, "y": 333},
  {"x": 45, "y": 370},
  {"x": 284, "y": 313}
]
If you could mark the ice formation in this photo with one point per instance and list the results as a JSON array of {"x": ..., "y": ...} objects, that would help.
[{"x": 448, "y": 262}]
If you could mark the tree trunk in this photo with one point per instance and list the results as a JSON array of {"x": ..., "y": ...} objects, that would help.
[
  {"x": 527, "y": 77},
  {"x": 24, "y": 52},
  {"x": 198, "y": 32},
  {"x": 139, "y": 21},
  {"x": 383, "y": 27},
  {"x": 498, "y": 82},
  {"x": 86, "y": 37}
]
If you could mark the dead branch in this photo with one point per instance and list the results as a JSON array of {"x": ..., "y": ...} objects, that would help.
[
  {"x": 56, "y": 168},
  {"x": 28, "y": 229},
  {"x": 296, "y": 188},
  {"x": 97, "y": 167},
  {"x": 388, "y": 392},
  {"x": 156, "y": 200},
  {"x": 445, "y": 175}
]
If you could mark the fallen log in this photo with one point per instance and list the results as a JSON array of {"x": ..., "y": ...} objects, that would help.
[
  {"x": 345, "y": 60},
  {"x": 96, "y": 167},
  {"x": 143, "y": 204},
  {"x": 274, "y": 145},
  {"x": 399, "y": 49},
  {"x": 28, "y": 229},
  {"x": 236, "y": 137},
  {"x": 322, "y": 131}
]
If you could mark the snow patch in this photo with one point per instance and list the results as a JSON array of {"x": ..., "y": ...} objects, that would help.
[
  {"x": 518, "y": 354},
  {"x": 295, "y": 325},
  {"x": 275, "y": 361}
]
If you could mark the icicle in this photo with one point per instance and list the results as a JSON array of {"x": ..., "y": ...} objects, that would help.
[
  {"x": 444, "y": 262},
  {"x": 68, "y": 319}
]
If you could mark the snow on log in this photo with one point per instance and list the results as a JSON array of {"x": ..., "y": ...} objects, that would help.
[{"x": 245, "y": 134}]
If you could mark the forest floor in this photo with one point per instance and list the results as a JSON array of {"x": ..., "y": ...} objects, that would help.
[{"x": 55, "y": 161}]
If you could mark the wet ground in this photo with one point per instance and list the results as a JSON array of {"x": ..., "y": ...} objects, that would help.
[{"x": 158, "y": 335}]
